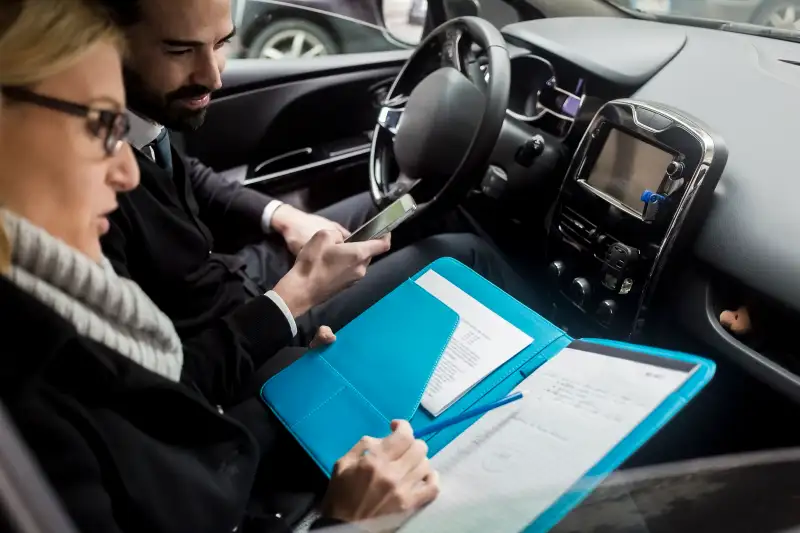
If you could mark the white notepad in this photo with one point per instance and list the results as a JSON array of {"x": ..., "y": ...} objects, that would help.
[
  {"x": 481, "y": 343},
  {"x": 518, "y": 460}
]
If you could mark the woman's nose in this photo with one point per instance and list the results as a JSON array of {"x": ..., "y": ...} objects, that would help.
[{"x": 123, "y": 175}]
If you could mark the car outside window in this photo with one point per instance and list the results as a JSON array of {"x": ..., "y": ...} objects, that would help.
[
  {"x": 308, "y": 29},
  {"x": 781, "y": 14}
]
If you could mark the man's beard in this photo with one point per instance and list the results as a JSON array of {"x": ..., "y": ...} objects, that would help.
[{"x": 165, "y": 110}]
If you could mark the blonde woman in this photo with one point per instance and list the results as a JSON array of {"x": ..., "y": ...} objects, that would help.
[{"x": 126, "y": 421}]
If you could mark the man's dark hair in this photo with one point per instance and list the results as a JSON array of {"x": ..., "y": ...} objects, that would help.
[{"x": 124, "y": 12}]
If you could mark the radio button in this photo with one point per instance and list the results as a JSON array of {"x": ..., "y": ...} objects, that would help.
[
  {"x": 674, "y": 169},
  {"x": 555, "y": 270},
  {"x": 580, "y": 291},
  {"x": 606, "y": 311}
]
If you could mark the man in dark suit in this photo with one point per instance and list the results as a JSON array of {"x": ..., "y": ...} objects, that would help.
[{"x": 164, "y": 234}]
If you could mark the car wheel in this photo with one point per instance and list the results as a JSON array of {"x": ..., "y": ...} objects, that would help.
[
  {"x": 783, "y": 14},
  {"x": 292, "y": 38}
]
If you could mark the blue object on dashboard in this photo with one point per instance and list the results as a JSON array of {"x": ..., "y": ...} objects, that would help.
[{"x": 649, "y": 197}]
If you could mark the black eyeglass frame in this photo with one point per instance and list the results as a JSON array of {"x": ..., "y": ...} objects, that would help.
[{"x": 116, "y": 123}]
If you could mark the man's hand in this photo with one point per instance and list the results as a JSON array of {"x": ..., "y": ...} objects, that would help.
[
  {"x": 297, "y": 227},
  {"x": 381, "y": 476},
  {"x": 323, "y": 337},
  {"x": 325, "y": 266}
]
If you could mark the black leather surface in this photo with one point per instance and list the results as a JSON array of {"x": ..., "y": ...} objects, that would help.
[{"x": 623, "y": 51}]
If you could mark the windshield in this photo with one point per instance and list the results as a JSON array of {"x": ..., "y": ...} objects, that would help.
[{"x": 773, "y": 14}]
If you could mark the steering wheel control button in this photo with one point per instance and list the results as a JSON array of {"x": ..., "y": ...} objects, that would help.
[
  {"x": 529, "y": 151},
  {"x": 606, "y": 311},
  {"x": 494, "y": 182},
  {"x": 389, "y": 118},
  {"x": 580, "y": 291},
  {"x": 555, "y": 271}
]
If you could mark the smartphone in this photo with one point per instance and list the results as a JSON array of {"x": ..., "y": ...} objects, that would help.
[{"x": 385, "y": 221}]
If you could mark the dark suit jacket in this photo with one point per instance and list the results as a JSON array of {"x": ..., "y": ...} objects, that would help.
[
  {"x": 163, "y": 237},
  {"x": 126, "y": 449}
]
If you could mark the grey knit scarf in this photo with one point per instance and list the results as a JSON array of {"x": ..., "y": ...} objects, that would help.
[{"x": 100, "y": 305}]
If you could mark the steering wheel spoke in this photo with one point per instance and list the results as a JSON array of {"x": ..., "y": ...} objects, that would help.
[
  {"x": 391, "y": 113},
  {"x": 452, "y": 49}
]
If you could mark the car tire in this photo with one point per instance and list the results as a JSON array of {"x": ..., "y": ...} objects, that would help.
[
  {"x": 292, "y": 38},
  {"x": 784, "y": 14}
]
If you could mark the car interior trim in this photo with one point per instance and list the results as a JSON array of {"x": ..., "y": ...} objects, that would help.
[
  {"x": 300, "y": 151},
  {"x": 349, "y": 154}
]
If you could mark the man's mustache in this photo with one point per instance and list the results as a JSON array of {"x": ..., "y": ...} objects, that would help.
[{"x": 189, "y": 91}]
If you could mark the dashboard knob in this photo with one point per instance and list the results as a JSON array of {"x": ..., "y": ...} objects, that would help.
[
  {"x": 529, "y": 151},
  {"x": 555, "y": 270},
  {"x": 580, "y": 290},
  {"x": 674, "y": 169},
  {"x": 606, "y": 311}
]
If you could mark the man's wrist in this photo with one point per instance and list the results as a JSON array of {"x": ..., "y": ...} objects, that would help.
[
  {"x": 287, "y": 312},
  {"x": 281, "y": 218},
  {"x": 294, "y": 293},
  {"x": 268, "y": 215}
]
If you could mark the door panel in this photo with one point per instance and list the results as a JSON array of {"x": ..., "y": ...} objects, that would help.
[{"x": 286, "y": 125}]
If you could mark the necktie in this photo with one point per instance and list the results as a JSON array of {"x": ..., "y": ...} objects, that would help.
[{"x": 162, "y": 153}]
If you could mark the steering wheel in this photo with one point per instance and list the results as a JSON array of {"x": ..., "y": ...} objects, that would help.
[{"x": 442, "y": 116}]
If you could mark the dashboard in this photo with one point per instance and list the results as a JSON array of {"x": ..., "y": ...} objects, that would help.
[{"x": 744, "y": 88}]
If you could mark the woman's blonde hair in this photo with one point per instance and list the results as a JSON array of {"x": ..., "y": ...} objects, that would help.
[{"x": 39, "y": 39}]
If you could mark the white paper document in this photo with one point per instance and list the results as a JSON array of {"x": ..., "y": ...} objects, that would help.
[
  {"x": 516, "y": 461},
  {"x": 481, "y": 342}
]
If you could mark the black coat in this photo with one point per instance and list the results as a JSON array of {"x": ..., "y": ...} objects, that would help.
[
  {"x": 126, "y": 449},
  {"x": 164, "y": 235}
]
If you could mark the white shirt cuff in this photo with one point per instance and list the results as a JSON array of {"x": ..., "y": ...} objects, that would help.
[
  {"x": 275, "y": 297},
  {"x": 266, "y": 216}
]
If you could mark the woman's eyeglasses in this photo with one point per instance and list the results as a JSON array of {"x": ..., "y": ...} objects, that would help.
[{"x": 110, "y": 126}]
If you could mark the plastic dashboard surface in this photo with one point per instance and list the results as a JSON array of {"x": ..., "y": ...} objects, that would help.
[
  {"x": 745, "y": 88},
  {"x": 605, "y": 46}
]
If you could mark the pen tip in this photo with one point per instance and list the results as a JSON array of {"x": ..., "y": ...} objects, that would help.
[{"x": 523, "y": 393}]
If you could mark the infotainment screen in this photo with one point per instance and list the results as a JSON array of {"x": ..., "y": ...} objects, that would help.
[{"x": 626, "y": 167}]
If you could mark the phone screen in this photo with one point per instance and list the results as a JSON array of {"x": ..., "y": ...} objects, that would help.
[{"x": 383, "y": 221}]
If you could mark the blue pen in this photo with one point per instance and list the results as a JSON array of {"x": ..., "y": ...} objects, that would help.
[{"x": 471, "y": 413}]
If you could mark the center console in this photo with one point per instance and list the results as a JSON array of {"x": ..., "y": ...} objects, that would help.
[{"x": 636, "y": 193}]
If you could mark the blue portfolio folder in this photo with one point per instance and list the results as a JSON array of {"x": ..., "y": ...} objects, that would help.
[{"x": 380, "y": 365}]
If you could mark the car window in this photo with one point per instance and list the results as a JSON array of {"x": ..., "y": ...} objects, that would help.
[
  {"x": 499, "y": 12},
  {"x": 308, "y": 29},
  {"x": 781, "y": 14}
]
